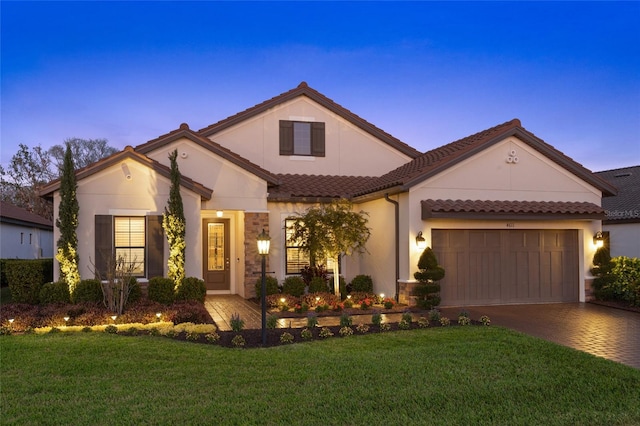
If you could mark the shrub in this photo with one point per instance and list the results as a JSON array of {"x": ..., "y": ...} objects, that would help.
[
  {"x": 212, "y": 337},
  {"x": 188, "y": 311},
  {"x": 376, "y": 318},
  {"x": 407, "y": 317},
  {"x": 294, "y": 286},
  {"x": 286, "y": 338},
  {"x": 464, "y": 320},
  {"x": 308, "y": 273},
  {"x": 161, "y": 290},
  {"x": 306, "y": 334},
  {"x": 237, "y": 324},
  {"x": 57, "y": 292},
  {"x": 485, "y": 320},
  {"x": 346, "y": 331},
  {"x": 271, "y": 284},
  {"x": 312, "y": 320},
  {"x": 404, "y": 325},
  {"x": 626, "y": 284},
  {"x": 362, "y": 283},
  {"x": 346, "y": 320},
  {"x": 238, "y": 341},
  {"x": 423, "y": 322},
  {"x": 427, "y": 290},
  {"x": 192, "y": 288},
  {"x": 87, "y": 291},
  {"x": 362, "y": 328},
  {"x": 388, "y": 303},
  {"x": 193, "y": 336},
  {"x": 135, "y": 291},
  {"x": 318, "y": 285},
  {"x": 434, "y": 315},
  {"x": 325, "y": 332},
  {"x": 272, "y": 322},
  {"x": 26, "y": 277},
  {"x": 111, "y": 329},
  {"x": 385, "y": 327},
  {"x": 444, "y": 321}
]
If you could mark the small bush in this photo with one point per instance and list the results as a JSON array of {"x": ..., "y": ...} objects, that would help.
[
  {"x": 407, "y": 317},
  {"x": 87, "y": 291},
  {"x": 26, "y": 277},
  {"x": 57, "y": 292},
  {"x": 188, "y": 311},
  {"x": 346, "y": 320},
  {"x": 212, "y": 337},
  {"x": 485, "y": 320},
  {"x": 434, "y": 315},
  {"x": 161, "y": 290},
  {"x": 385, "y": 327},
  {"x": 376, "y": 318},
  {"x": 423, "y": 322},
  {"x": 312, "y": 320},
  {"x": 272, "y": 322},
  {"x": 135, "y": 291},
  {"x": 306, "y": 334},
  {"x": 404, "y": 325},
  {"x": 237, "y": 324},
  {"x": 271, "y": 284},
  {"x": 294, "y": 286},
  {"x": 111, "y": 329},
  {"x": 286, "y": 338},
  {"x": 238, "y": 341},
  {"x": 346, "y": 331},
  {"x": 192, "y": 288},
  {"x": 362, "y": 283},
  {"x": 463, "y": 320},
  {"x": 444, "y": 321},
  {"x": 325, "y": 332},
  {"x": 362, "y": 328},
  {"x": 318, "y": 285}
]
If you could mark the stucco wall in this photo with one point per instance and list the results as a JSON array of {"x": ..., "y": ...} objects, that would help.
[
  {"x": 109, "y": 192},
  {"x": 624, "y": 239},
  {"x": 349, "y": 150},
  {"x": 34, "y": 243}
]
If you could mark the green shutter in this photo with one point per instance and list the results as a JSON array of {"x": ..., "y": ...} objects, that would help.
[
  {"x": 103, "y": 244},
  {"x": 317, "y": 139},
  {"x": 155, "y": 247},
  {"x": 286, "y": 137}
]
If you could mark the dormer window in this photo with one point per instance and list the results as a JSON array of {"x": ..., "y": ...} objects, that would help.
[{"x": 301, "y": 138}]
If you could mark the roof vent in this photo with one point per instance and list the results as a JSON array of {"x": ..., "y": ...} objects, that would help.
[{"x": 627, "y": 174}]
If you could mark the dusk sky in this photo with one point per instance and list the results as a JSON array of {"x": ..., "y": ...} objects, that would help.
[{"x": 426, "y": 72}]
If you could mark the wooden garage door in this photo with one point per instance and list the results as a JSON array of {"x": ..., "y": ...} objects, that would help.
[{"x": 489, "y": 267}]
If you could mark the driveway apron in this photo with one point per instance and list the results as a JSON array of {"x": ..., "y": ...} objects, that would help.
[{"x": 599, "y": 330}]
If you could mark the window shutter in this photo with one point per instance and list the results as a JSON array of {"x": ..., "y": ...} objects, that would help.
[
  {"x": 317, "y": 139},
  {"x": 286, "y": 137},
  {"x": 155, "y": 247},
  {"x": 103, "y": 244}
]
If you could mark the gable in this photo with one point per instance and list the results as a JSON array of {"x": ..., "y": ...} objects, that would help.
[{"x": 255, "y": 134}]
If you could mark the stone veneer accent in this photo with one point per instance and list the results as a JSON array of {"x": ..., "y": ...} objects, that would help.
[
  {"x": 404, "y": 293},
  {"x": 254, "y": 223}
]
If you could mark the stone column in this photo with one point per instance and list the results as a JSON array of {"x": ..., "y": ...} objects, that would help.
[{"x": 254, "y": 223}]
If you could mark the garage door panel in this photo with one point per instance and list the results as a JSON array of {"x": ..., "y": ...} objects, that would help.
[{"x": 507, "y": 266}]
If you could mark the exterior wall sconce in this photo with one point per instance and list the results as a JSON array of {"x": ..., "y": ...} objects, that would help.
[
  {"x": 264, "y": 241},
  {"x": 598, "y": 239},
  {"x": 420, "y": 241}
]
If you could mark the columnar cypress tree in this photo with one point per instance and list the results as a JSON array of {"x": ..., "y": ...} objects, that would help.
[
  {"x": 67, "y": 223},
  {"x": 174, "y": 225}
]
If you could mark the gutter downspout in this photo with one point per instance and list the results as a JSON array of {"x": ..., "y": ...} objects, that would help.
[{"x": 397, "y": 241}]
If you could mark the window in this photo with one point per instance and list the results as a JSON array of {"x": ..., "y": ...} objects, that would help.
[
  {"x": 302, "y": 138},
  {"x": 129, "y": 243},
  {"x": 296, "y": 258},
  {"x": 152, "y": 262}
]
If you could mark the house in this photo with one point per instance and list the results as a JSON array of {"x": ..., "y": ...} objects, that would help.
[
  {"x": 621, "y": 225},
  {"x": 24, "y": 235},
  {"x": 511, "y": 218}
]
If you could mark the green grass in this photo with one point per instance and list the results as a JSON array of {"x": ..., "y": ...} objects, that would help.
[{"x": 448, "y": 376}]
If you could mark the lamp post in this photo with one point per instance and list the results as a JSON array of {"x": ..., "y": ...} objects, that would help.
[{"x": 263, "y": 249}]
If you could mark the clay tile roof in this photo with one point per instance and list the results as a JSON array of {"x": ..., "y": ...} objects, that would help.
[
  {"x": 303, "y": 89},
  {"x": 439, "y": 159},
  {"x": 477, "y": 208},
  {"x": 12, "y": 214},
  {"x": 625, "y": 207},
  {"x": 315, "y": 187}
]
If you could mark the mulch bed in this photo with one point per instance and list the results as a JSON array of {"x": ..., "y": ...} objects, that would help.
[{"x": 616, "y": 304}]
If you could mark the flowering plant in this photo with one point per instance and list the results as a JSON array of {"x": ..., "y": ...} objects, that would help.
[
  {"x": 388, "y": 303},
  {"x": 366, "y": 303}
]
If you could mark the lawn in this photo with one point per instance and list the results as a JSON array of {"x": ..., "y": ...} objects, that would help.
[{"x": 449, "y": 376}]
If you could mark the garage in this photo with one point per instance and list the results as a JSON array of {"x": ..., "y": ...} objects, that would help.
[{"x": 490, "y": 267}]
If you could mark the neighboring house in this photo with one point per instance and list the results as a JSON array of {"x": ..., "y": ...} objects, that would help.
[
  {"x": 511, "y": 218},
  {"x": 622, "y": 222},
  {"x": 24, "y": 235}
]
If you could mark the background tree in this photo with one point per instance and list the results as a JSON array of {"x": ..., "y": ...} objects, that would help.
[
  {"x": 31, "y": 168},
  {"x": 329, "y": 231},
  {"x": 174, "y": 225},
  {"x": 428, "y": 290},
  {"x": 84, "y": 151},
  {"x": 27, "y": 172},
  {"x": 67, "y": 223}
]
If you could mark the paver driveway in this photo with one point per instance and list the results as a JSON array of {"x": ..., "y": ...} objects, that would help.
[{"x": 599, "y": 330}]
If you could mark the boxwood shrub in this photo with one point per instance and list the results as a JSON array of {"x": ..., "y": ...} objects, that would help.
[
  {"x": 271, "y": 284},
  {"x": 26, "y": 277},
  {"x": 192, "y": 288},
  {"x": 56, "y": 292},
  {"x": 87, "y": 291},
  {"x": 161, "y": 290},
  {"x": 294, "y": 286},
  {"x": 362, "y": 283}
]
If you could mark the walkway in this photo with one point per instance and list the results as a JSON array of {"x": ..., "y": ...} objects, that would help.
[{"x": 606, "y": 332}]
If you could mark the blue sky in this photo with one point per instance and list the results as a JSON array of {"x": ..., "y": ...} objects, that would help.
[{"x": 426, "y": 72}]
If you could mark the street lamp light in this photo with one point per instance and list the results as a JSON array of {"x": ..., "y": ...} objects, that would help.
[{"x": 263, "y": 249}]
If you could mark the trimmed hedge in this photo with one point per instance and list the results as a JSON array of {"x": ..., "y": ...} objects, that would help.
[
  {"x": 56, "y": 292},
  {"x": 26, "y": 278},
  {"x": 87, "y": 291},
  {"x": 161, "y": 290},
  {"x": 271, "y": 284},
  {"x": 362, "y": 283},
  {"x": 192, "y": 288},
  {"x": 294, "y": 286},
  {"x": 318, "y": 285}
]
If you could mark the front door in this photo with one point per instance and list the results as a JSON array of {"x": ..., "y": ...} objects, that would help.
[{"x": 215, "y": 247}]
